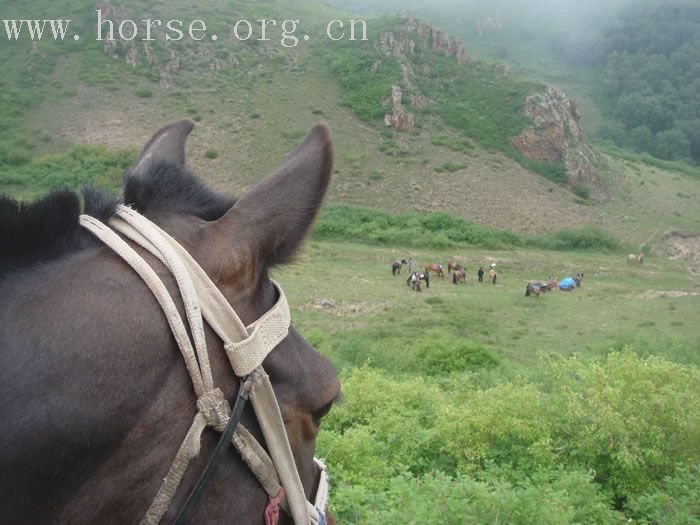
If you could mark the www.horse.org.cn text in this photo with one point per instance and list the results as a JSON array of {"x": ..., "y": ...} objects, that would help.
[{"x": 287, "y": 33}]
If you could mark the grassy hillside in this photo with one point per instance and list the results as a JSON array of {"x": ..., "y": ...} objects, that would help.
[{"x": 259, "y": 103}]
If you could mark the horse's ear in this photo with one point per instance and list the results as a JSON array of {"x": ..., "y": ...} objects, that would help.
[
  {"x": 166, "y": 145},
  {"x": 269, "y": 222}
]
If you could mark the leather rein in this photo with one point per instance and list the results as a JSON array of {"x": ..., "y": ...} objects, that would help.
[{"x": 246, "y": 347}]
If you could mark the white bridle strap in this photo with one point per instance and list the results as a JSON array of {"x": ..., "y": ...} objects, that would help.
[{"x": 246, "y": 348}]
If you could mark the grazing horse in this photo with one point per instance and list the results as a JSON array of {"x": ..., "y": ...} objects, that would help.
[
  {"x": 534, "y": 289},
  {"x": 451, "y": 266},
  {"x": 415, "y": 278},
  {"x": 437, "y": 268},
  {"x": 396, "y": 266},
  {"x": 459, "y": 276},
  {"x": 632, "y": 258},
  {"x": 95, "y": 397}
]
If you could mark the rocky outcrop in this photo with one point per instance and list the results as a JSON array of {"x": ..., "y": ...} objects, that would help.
[
  {"x": 555, "y": 136},
  {"x": 399, "y": 119},
  {"x": 412, "y": 36},
  {"x": 439, "y": 41}
]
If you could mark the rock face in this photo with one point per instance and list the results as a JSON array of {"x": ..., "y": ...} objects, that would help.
[
  {"x": 556, "y": 136},
  {"x": 399, "y": 119},
  {"x": 415, "y": 35}
]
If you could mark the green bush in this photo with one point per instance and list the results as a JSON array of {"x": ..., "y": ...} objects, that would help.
[
  {"x": 587, "y": 238},
  {"x": 438, "y": 229},
  {"x": 569, "y": 445},
  {"x": 582, "y": 190},
  {"x": 144, "y": 93},
  {"x": 211, "y": 154},
  {"x": 95, "y": 165}
]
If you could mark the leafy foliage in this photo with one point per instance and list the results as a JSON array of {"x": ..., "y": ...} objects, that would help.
[
  {"x": 95, "y": 165},
  {"x": 567, "y": 447},
  {"x": 651, "y": 80},
  {"x": 442, "y": 230}
]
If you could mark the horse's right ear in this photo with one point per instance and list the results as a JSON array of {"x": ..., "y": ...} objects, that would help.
[{"x": 268, "y": 223}]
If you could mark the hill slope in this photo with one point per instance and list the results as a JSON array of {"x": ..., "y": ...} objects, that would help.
[{"x": 254, "y": 101}]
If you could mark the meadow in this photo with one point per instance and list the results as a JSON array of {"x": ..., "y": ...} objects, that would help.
[{"x": 475, "y": 404}]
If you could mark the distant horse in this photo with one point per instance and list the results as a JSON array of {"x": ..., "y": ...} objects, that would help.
[
  {"x": 396, "y": 266},
  {"x": 415, "y": 278},
  {"x": 451, "y": 266},
  {"x": 638, "y": 259},
  {"x": 578, "y": 278},
  {"x": 437, "y": 268},
  {"x": 551, "y": 285},
  {"x": 459, "y": 276},
  {"x": 535, "y": 289}
]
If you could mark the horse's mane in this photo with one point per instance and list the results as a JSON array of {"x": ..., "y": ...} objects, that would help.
[{"x": 48, "y": 229}]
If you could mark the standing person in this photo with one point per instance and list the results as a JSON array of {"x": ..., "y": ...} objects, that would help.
[
  {"x": 492, "y": 273},
  {"x": 480, "y": 274},
  {"x": 410, "y": 265}
]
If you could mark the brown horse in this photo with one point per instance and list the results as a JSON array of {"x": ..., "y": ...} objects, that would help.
[
  {"x": 459, "y": 276},
  {"x": 95, "y": 398},
  {"x": 535, "y": 289},
  {"x": 437, "y": 268}
]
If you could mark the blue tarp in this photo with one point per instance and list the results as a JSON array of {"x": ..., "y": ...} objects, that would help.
[{"x": 567, "y": 283}]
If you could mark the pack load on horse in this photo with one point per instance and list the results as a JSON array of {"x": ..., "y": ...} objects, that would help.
[
  {"x": 396, "y": 266},
  {"x": 551, "y": 284},
  {"x": 535, "y": 288},
  {"x": 103, "y": 422}
]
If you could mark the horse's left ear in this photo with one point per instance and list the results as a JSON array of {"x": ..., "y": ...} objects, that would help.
[
  {"x": 269, "y": 222},
  {"x": 166, "y": 145}
]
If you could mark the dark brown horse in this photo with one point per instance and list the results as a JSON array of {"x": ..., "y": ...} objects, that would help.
[
  {"x": 534, "y": 288},
  {"x": 459, "y": 276},
  {"x": 437, "y": 268},
  {"x": 396, "y": 266},
  {"x": 95, "y": 398},
  {"x": 414, "y": 280}
]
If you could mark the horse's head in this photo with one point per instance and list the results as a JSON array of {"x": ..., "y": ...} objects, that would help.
[{"x": 96, "y": 397}]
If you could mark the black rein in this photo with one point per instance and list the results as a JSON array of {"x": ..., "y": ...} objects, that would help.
[{"x": 216, "y": 456}]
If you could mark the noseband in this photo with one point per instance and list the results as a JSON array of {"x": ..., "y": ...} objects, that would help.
[{"x": 246, "y": 348}]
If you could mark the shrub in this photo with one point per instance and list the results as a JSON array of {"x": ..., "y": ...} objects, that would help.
[
  {"x": 211, "y": 154},
  {"x": 579, "y": 438},
  {"x": 144, "y": 93},
  {"x": 588, "y": 238},
  {"x": 582, "y": 190},
  {"x": 82, "y": 164}
]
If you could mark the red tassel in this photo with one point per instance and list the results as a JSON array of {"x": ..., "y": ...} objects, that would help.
[{"x": 272, "y": 510}]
